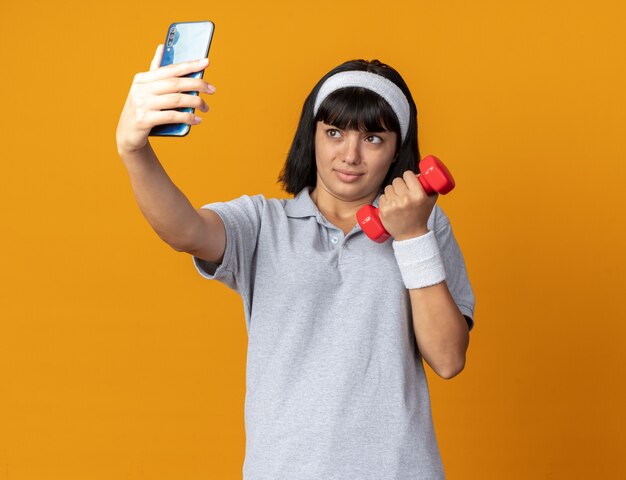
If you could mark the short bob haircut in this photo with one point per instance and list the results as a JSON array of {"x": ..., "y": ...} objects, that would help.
[{"x": 350, "y": 108}]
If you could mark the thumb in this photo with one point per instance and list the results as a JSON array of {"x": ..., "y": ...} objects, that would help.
[{"x": 158, "y": 55}]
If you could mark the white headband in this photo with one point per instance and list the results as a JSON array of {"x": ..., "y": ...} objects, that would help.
[{"x": 371, "y": 81}]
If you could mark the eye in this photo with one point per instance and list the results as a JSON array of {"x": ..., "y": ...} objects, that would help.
[
  {"x": 374, "y": 139},
  {"x": 333, "y": 133}
]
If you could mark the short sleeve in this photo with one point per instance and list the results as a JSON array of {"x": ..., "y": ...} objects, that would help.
[
  {"x": 242, "y": 221},
  {"x": 454, "y": 264}
]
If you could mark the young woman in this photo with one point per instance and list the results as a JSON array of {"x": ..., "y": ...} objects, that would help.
[{"x": 337, "y": 324}]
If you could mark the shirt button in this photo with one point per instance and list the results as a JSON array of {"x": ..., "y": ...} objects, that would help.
[{"x": 334, "y": 239}]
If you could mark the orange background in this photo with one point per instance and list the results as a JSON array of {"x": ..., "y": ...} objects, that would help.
[{"x": 117, "y": 360}]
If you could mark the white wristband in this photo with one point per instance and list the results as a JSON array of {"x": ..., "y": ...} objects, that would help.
[{"x": 419, "y": 261}]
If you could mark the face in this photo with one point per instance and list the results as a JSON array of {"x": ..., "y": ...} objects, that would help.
[{"x": 351, "y": 165}]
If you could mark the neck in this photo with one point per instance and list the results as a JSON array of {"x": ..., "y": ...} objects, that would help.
[{"x": 341, "y": 212}]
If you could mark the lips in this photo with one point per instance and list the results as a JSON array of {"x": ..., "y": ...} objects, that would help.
[{"x": 348, "y": 176}]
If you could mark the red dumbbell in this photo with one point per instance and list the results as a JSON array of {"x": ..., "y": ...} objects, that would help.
[{"x": 434, "y": 177}]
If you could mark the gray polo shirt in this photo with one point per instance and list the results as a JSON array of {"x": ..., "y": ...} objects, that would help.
[{"x": 335, "y": 385}]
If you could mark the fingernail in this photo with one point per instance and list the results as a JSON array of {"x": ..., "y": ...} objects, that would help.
[
  {"x": 203, "y": 61},
  {"x": 210, "y": 88},
  {"x": 197, "y": 118}
]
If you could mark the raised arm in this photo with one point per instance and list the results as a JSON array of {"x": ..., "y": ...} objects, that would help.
[
  {"x": 153, "y": 96},
  {"x": 441, "y": 330}
]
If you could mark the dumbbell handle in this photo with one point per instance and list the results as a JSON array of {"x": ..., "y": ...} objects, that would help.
[{"x": 434, "y": 177}]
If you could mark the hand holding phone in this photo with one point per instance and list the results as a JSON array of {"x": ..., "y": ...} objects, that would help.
[
  {"x": 157, "y": 97},
  {"x": 185, "y": 41}
]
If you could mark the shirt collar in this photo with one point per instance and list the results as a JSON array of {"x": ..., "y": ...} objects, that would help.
[{"x": 301, "y": 205}]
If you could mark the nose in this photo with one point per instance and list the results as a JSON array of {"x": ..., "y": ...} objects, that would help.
[{"x": 351, "y": 154}]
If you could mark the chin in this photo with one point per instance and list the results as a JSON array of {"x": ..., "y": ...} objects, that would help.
[{"x": 350, "y": 191}]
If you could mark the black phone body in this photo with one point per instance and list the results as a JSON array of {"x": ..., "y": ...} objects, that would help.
[{"x": 185, "y": 41}]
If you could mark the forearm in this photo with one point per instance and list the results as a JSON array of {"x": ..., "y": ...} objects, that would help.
[
  {"x": 440, "y": 329},
  {"x": 164, "y": 206}
]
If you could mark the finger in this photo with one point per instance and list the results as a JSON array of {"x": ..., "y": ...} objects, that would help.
[
  {"x": 417, "y": 187},
  {"x": 158, "y": 55},
  {"x": 399, "y": 186},
  {"x": 175, "y": 70},
  {"x": 388, "y": 192},
  {"x": 412, "y": 183},
  {"x": 171, "y": 116},
  {"x": 178, "y": 100},
  {"x": 174, "y": 85}
]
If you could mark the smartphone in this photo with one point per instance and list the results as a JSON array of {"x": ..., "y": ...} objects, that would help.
[{"x": 185, "y": 41}]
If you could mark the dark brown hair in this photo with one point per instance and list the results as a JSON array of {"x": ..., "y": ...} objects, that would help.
[{"x": 350, "y": 108}]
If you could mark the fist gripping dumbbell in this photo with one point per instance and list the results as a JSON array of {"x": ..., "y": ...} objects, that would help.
[{"x": 434, "y": 177}]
